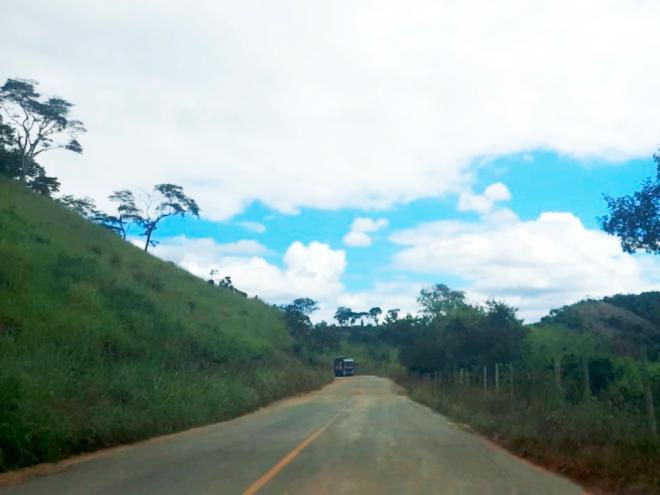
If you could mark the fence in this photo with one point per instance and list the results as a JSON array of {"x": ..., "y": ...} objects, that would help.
[{"x": 520, "y": 380}]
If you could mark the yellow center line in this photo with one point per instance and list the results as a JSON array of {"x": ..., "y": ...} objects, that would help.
[{"x": 286, "y": 460}]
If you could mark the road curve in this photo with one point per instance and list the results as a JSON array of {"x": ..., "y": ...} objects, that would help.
[{"x": 358, "y": 435}]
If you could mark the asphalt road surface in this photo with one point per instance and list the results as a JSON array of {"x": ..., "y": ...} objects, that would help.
[{"x": 358, "y": 435}]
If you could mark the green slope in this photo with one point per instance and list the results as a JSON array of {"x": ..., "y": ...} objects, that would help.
[
  {"x": 102, "y": 344},
  {"x": 624, "y": 322}
]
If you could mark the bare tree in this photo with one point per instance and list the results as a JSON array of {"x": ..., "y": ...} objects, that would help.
[{"x": 167, "y": 200}]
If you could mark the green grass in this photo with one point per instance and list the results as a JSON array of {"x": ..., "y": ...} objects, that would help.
[{"x": 102, "y": 344}]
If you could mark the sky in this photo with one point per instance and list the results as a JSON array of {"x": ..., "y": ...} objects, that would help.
[{"x": 356, "y": 152}]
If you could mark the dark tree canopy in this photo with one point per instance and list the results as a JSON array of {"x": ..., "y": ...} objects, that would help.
[
  {"x": 38, "y": 124},
  {"x": 13, "y": 166},
  {"x": 440, "y": 300},
  {"x": 457, "y": 333},
  {"x": 374, "y": 313},
  {"x": 307, "y": 337},
  {"x": 343, "y": 315},
  {"x": 304, "y": 305},
  {"x": 635, "y": 219}
]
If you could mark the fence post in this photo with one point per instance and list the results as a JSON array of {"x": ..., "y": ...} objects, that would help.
[
  {"x": 648, "y": 395},
  {"x": 497, "y": 377},
  {"x": 467, "y": 377},
  {"x": 587, "y": 379},
  {"x": 558, "y": 374},
  {"x": 511, "y": 378},
  {"x": 485, "y": 378}
]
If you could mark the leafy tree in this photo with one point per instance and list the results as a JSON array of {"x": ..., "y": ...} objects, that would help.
[
  {"x": 360, "y": 315},
  {"x": 226, "y": 283},
  {"x": 166, "y": 201},
  {"x": 323, "y": 338},
  {"x": 440, "y": 300},
  {"x": 223, "y": 282},
  {"x": 375, "y": 312},
  {"x": 6, "y": 134},
  {"x": 315, "y": 338},
  {"x": 392, "y": 315},
  {"x": 127, "y": 213},
  {"x": 343, "y": 315},
  {"x": 453, "y": 333},
  {"x": 39, "y": 124},
  {"x": 11, "y": 165},
  {"x": 296, "y": 316},
  {"x": 85, "y": 207},
  {"x": 304, "y": 305},
  {"x": 635, "y": 219}
]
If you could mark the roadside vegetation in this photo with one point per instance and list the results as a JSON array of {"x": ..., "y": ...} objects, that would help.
[
  {"x": 103, "y": 344},
  {"x": 577, "y": 392}
]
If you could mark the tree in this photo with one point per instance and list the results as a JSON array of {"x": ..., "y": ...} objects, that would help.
[
  {"x": 304, "y": 305},
  {"x": 11, "y": 165},
  {"x": 6, "y": 134},
  {"x": 127, "y": 213},
  {"x": 224, "y": 282},
  {"x": 635, "y": 219},
  {"x": 440, "y": 300},
  {"x": 167, "y": 200},
  {"x": 296, "y": 315},
  {"x": 375, "y": 312},
  {"x": 39, "y": 124},
  {"x": 392, "y": 315},
  {"x": 343, "y": 315},
  {"x": 359, "y": 315},
  {"x": 85, "y": 207}
]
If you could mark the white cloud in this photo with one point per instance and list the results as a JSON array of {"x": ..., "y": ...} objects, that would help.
[
  {"x": 256, "y": 227},
  {"x": 484, "y": 203},
  {"x": 357, "y": 239},
  {"x": 534, "y": 265},
  {"x": 312, "y": 271},
  {"x": 334, "y": 104},
  {"x": 359, "y": 236},
  {"x": 196, "y": 254},
  {"x": 386, "y": 295}
]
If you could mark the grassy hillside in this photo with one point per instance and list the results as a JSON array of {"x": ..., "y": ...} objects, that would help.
[
  {"x": 102, "y": 344},
  {"x": 623, "y": 321}
]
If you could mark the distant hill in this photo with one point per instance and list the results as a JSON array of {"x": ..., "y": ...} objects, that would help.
[
  {"x": 101, "y": 343},
  {"x": 623, "y": 321}
]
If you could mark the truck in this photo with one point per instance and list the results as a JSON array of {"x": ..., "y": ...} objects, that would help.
[{"x": 344, "y": 366}]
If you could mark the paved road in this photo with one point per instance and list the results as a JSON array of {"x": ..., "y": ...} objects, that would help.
[{"x": 355, "y": 436}]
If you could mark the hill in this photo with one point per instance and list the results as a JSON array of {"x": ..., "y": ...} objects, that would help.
[
  {"x": 101, "y": 343},
  {"x": 622, "y": 321}
]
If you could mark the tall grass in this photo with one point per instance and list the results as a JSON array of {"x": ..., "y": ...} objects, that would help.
[
  {"x": 603, "y": 446},
  {"x": 103, "y": 344}
]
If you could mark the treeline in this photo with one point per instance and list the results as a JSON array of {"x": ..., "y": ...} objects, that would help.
[
  {"x": 564, "y": 392},
  {"x": 447, "y": 334},
  {"x": 32, "y": 124}
]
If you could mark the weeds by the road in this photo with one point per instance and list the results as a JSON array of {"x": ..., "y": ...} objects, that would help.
[
  {"x": 101, "y": 344},
  {"x": 600, "y": 446}
]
